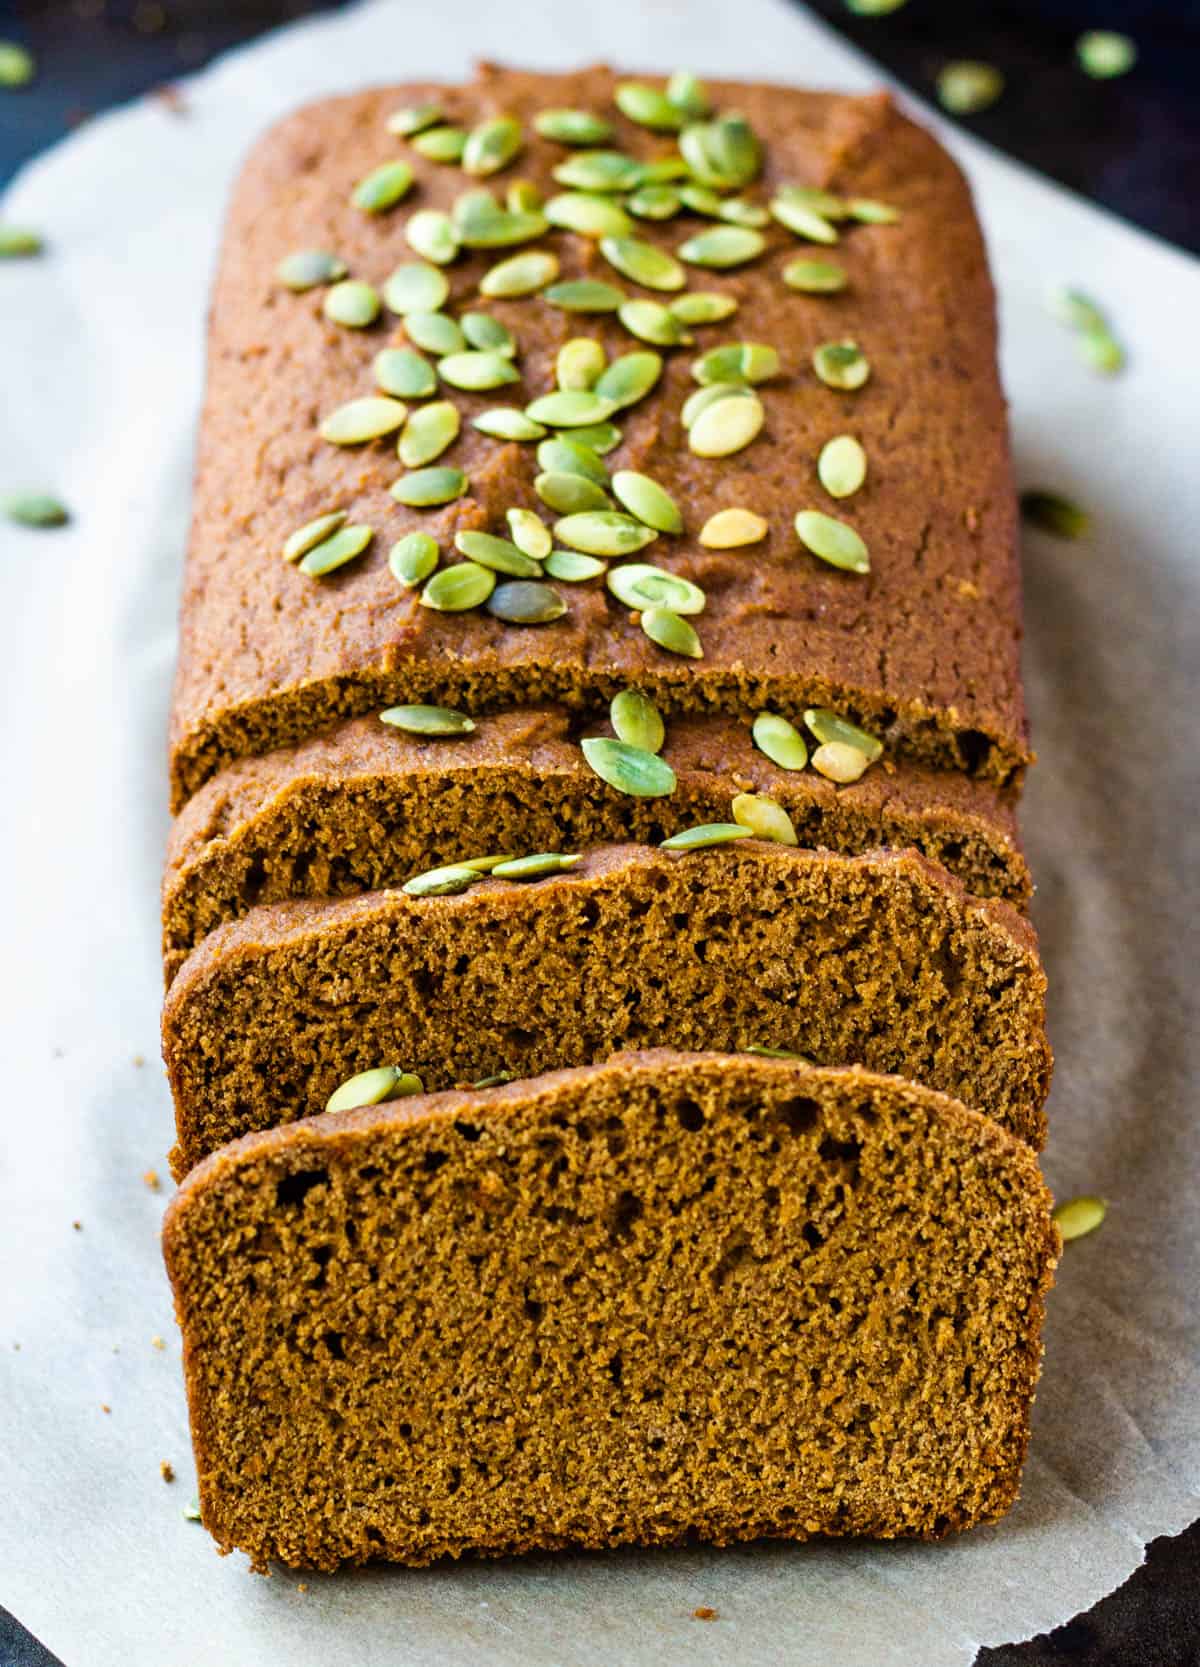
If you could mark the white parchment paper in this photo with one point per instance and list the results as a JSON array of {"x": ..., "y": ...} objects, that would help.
[{"x": 101, "y": 344}]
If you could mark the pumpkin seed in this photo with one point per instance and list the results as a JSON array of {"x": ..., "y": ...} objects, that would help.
[
  {"x": 17, "y": 65},
  {"x": 383, "y": 187},
  {"x": 565, "y": 456},
  {"x": 726, "y": 426},
  {"x": 363, "y": 419},
  {"x": 413, "y": 559},
  {"x": 815, "y": 277},
  {"x": 537, "y": 866},
  {"x": 492, "y": 145},
  {"x": 643, "y": 263},
  {"x": 431, "y": 233},
  {"x": 352, "y": 304},
  {"x": 584, "y": 295},
  {"x": 1101, "y": 351},
  {"x": 872, "y": 213},
  {"x": 665, "y": 627},
  {"x": 427, "y": 488},
  {"x": 1054, "y": 514},
  {"x": 648, "y": 107},
  {"x": 802, "y": 220},
  {"x": 729, "y": 529},
  {"x": 435, "y": 332},
  {"x": 740, "y": 211},
  {"x": 700, "y": 401},
  {"x": 475, "y": 372},
  {"x": 505, "y": 422},
  {"x": 654, "y": 202},
  {"x": 597, "y": 437},
  {"x": 637, "y": 721},
  {"x": 578, "y": 364},
  {"x": 373, "y": 1088},
  {"x": 765, "y": 817},
  {"x": 600, "y": 170},
  {"x": 428, "y": 432},
  {"x": 442, "y": 882},
  {"x": 663, "y": 170},
  {"x": 629, "y": 378},
  {"x": 837, "y": 761},
  {"x": 842, "y": 466},
  {"x": 702, "y": 837},
  {"x": 748, "y": 362},
  {"x": 723, "y": 246},
  {"x": 646, "y": 499},
  {"x": 841, "y": 364},
  {"x": 570, "y": 408},
  {"x": 530, "y": 533},
  {"x": 687, "y": 93},
  {"x": 754, "y": 1047},
  {"x": 19, "y": 241},
  {"x": 1103, "y": 53},
  {"x": 404, "y": 373},
  {"x": 413, "y": 118},
  {"x": 723, "y": 154},
  {"x": 428, "y": 720},
  {"x": 630, "y": 769},
  {"x": 702, "y": 307},
  {"x": 416, "y": 288},
  {"x": 523, "y": 197},
  {"x": 498, "y": 554},
  {"x": 573, "y": 127},
  {"x": 332, "y": 553},
  {"x": 496, "y": 1080},
  {"x": 1078, "y": 1216},
  {"x": 604, "y": 533},
  {"x": 590, "y": 216},
  {"x": 482, "y": 224},
  {"x": 303, "y": 270},
  {"x": 968, "y": 86},
  {"x": 311, "y": 534},
  {"x": 1079, "y": 311},
  {"x": 833, "y": 541},
  {"x": 780, "y": 740},
  {"x": 700, "y": 200},
  {"x": 641, "y": 585},
  {"x": 526, "y": 602},
  {"x": 651, "y": 322},
  {"x": 488, "y": 335},
  {"x": 486, "y": 865},
  {"x": 521, "y": 274},
  {"x": 441, "y": 144},
  {"x": 570, "y": 494},
  {"x": 572, "y": 567},
  {"x": 454, "y": 589},
  {"x": 874, "y": 8},
  {"x": 34, "y": 509}
]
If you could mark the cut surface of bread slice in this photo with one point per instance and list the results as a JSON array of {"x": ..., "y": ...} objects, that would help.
[
  {"x": 881, "y": 960},
  {"x": 670, "y": 1296}
]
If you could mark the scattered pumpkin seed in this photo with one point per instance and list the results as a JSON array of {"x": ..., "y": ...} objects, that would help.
[
  {"x": 427, "y": 488},
  {"x": 334, "y": 552},
  {"x": 629, "y": 378},
  {"x": 802, "y": 220},
  {"x": 700, "y": 200},
  {"x": 637, "y": 721},
  {"x": 526, "y": 602},
  {"x": 641, "y": 585},
  {"x": 1078, "y": 311},
  {"x": 740, "y": 211},
  {"x": 598, "y": 437},
  {"x": 416, "y": 288},
  {"x": 700, "y": 306},
  {"x": 570, "y": 494},
  {"x": 442, "y": 882},
  {"x": 383, "y": 187},
  {"x": 585, "y": 295},
  {"x": 646, "y": 499},
  {"x": 496, "y": 1080},
  {"x": 755, "y": 1047},
  {"x": 648, "y": 107},
  {"x": 572, "y": 567},
  {"x": 413, "y": 558},
  {"x": 475, "y": 372},
  {"x": 723, "y": 246},
  {"x": 498, "y": 554},
  {"x": 482, "y": 224},
  {"x": 630, "y": 769},
  {"x": 428, "y": 432},
  {"x": 488, "y": 335},
  {"x": 723, "y": 154},
  {"x": 726, "y": 426},
  {"x": 485, "y": 865},
  {"x": 573, "y": 127},
  {"x": 781, "y": 741},
  {"x": 870, "y": 212},
  {"x": 361, "y": 420},
  {"x": 564, "y": 455},
  {"x": 665, "y": 628},
  {"x": 191, "y": 1511},
  {"x": 830, "y": 726},
  {"x": 404, "y": 373},
  {"x": 604, "y": 533},
  {"x": 34, "y": 509},
  {"x": 1054, "y": 513},
  {"x": 967, "y": 86},
  {"x": 307, "y": 537},
  {"x": 873, "y": 8},
  {"x": 521, "y": 274},
  {"x": 17, "y": 65},
  {"x": 431, "y": 234},
  {"x": 815, "y": 277},
  {"x": 650, "y": 321},
  {"x": 730, "y": 529},
  {"x": 413, "y": 118},
  {"x": 441, "y": 144},
  {"x": 1103, "y": 54},
  {"x": 579, "y": 363},
  {"x": 523, "y": 197},
  {"x": 530, "y": 533},
  {"x": 454, "y": 589},
  {"x": 842, "y": 466},
  {"x": 492, "y": 145},
  {"x": 600, "y": 170},
  {"x": 689, "y": 94},
  {"x": 1079, "y": 1216},
  {"x": 838, "y": 762},
  {"x": 702, "y": 837},
  {"x": 654, "y": 202},
  {"x": 832, "y": 541},
  {"x": 428, "y": 720},
  {"x": 435, "y": 332},
  {"x": 306, "y": 269},
  {"x": 537, "y": 866},
  {"x": 841, "y": 364},
  {"x": 373, "y": 1088},
  {"x": 765, "y": 817},
  {"x": 1101, "y": 351},
  {"x": 748, "y": 362},
  {"x": 700, "y": 401},
  {"x": 643, "y": 263},
  {"x": 590, "y": 216},
  {"x": 352, "y": 304},
  {"x": 663, "y": 170},
  {"x": 570, "y": 408},
  {"x": 505, "y": 422}
]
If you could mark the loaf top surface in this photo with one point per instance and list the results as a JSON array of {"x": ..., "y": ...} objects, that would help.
[{"x": 924, "y": 647}]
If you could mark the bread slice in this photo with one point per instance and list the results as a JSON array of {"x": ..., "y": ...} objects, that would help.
[
  {"x": 881, "y": 960},
  {"x": 669, "y": 1296}
]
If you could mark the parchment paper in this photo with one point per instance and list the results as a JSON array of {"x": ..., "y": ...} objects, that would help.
[{"x": 101, "y": 344}]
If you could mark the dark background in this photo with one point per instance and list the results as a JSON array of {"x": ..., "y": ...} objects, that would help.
[{"x": 1131, "y": 144}]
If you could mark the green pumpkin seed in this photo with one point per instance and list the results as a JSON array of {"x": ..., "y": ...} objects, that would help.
[
  {"x": 413, "y": 118},
  {"x": 1077, "y": 1216},
  {"x": 730, "y": 529},
  {"x": 702, "y": 837},
  {"x": 403, "y": 373},
  {"x": 665, "y": 628},
  {"x": 435, "y": 332},
  {"x": 708, "y": 395},
  {"x": 428, "y": 720},
  {"x": 688, "y": 94},
  {"x": 1103, "y": 54},
  {"x": 34, "y": 509},
  {"x": 740, "y": 211},
  {"x": 643, "y": 263},
  {"x": 482, "y": 224},
  {"x": 814, "y": 198},
  {"x": 641, "y": 585},
  {"x": 308, "y": 268},
  {"x": 629, "y": 378},
  {"x": 427, "y": 488},
  {"x": 19, "y": 241},
  {"x": 455, "y": 589},
  {"x": 754, "y": 1047},
  {"x": 815, "y": 277},
  {"x": 646, "y": 499},
  {"x": 498, "y": 554},
  {"x": 492, "y": 145},
  {"x": 872, "y": 8},
  {"x": 663, "y": 170},
  {"x": 307, "y": 537},
  {"x": 765, "y": 818},
  {"x": 572, "y": 567},
  {"x": 373, "y": 1088},
  {"x": 833, "y": 541},
  {"x": 842, "y": 466},
  {"x": 496, "y": 1080},
  {"x": 570, "y": 408},
  {"x": 597, "y": 437},
  {"x": 723, "y": 246},
  {"x": 872, "y": 213},
  {"x": 383, "y": 187},
  {"x": 476, "y": 372},
  {"x": 700, "y": 200},
  {"x": 748, "y": 362},
  {"x": 530, "y": 533},
  {"x": 413, "y": 559},
  {"x": 416, "y": 288},
  {"x": 637, "y": 721},
  {"x": 968, "y": 86},
  {"x": 526, "y": 602},
  {"x": 604, "y": 533},
  {"x": 600, "y": 170},
  {"x": 431, "y": 234},
  {"x": 488, "y": 335},
  {"x": 505, "y": 422},
  {"x": 428, "y": 432},
  {"x": 564, "y": 455},
  {"x": 838, "y": 762},
  {"x": 521, "y": 274},
  {"x": 802, "y": 220},
  {"x": 1101, "y": 351},
  {"x": 1079, "y": 311},
  {"x": 702, "y": 307},
  {"x": 648, "y": 107},
  {"x": 441, "y": 144},
  {"x": 1054, "y": 514},
  {"x": 584, "y": 295},
  {"x": 590, "y": 216},
  {"x": 537, "y": 866},
  {"x": 630, "y": 769},
  {"x": 578, "y": 364},
  {"x": 363, "y": 419},
  {"x": 841, "y": 364},
  {"x": 570, "y": 494},
  {"x": 352, "y": 304},
  {"x": 487, "y": 865},
  {"x": 723, "y": 154},
  {"x": 651, "y": 321},
  {"x": 336, "y": 551},
  {"x": 781, "y": 741},
  {"x": 442, "y": 882},
  {"x": 654, "y": 202},
  {"x": 573, "y": 127},
  {"x": 726, "y": 426},
  {"x": 17, "y": 65},
  {"x": 523, "y": 197}
]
